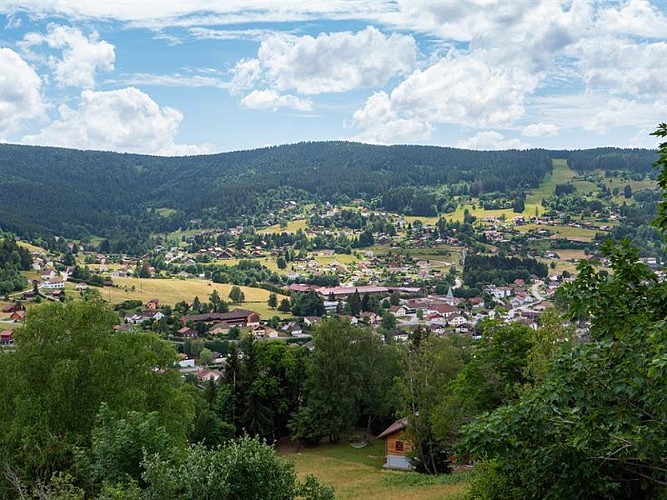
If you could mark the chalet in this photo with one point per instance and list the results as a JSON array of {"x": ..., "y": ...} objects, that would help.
[
  {"x": 187, "y": 333},
  {"x": 10, "y": 308},
  {"x": 457, "y": 320},
  {"x": 259, "y": 332},
  {"x": 398, "y": 311},
  {"x": 397, "y": 445},
  {"x": 6, "y": 337},
  {"x": 81, "y": 286},
  {"x": 17, "y": 316},
  {"x": 153, "y": 304}
]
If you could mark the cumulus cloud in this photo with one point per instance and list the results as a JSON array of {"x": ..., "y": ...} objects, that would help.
[
  {"x": 626, "y": 66},
  {"x": 540, "y": 130},
  {"x": 81, "y": 56},
  {"x": 382, "y": 125},
  {"x": 270, "y": 99},
  {"x": 20, "y": 98},
  {"x": 125, "y": 120},
  {"x": 336, "y": 62},
  {"x": 635, "y": 17},
  {"x": 491, "y": 140},
  {"x": 462, "y": 90}
]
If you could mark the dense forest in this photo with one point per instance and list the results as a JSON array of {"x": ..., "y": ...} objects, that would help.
[{"x": 80, "y": 194}]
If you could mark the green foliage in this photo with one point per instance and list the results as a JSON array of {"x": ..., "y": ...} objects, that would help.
[
  {"x": 236, "y": 295},
  {"x": 596, "y": 427},
  {"x": 661, "y": 163},
  {"x": 307, "y": 304},
  {"x": 429, "y": 364},
  {"x": 245, "y": 468},
  {"x": 67, "y": 362},
  {"x": 348, "y": 378},
  {"x": 119, "y": 445}
]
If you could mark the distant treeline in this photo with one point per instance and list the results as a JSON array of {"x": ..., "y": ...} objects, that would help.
[
  {"x": 481, "y": 270},
  {"x": 81, "y": 194},
  {"x": 632, "y": 160}
]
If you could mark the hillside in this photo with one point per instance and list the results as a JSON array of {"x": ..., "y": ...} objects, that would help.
[{"x": 124, "y": 197}]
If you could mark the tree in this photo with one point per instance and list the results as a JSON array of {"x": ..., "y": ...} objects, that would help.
[
  {"x": 281, "y": 263},
  {"x": 332, "y": 385},
  {"x": 598, "y": 423},
  {"x": 627, "y": 191},
  {"x": 67, "y": 362},
  {"x": 119, "y": 445},
  {"x": 355, "y": 303},
  {"x": 236, "y": 295},
  {"x": 429, "y": 364},
  {"x": 519, "y": 206},
  {"x": 273, "y": 301},
  {"x": 285, "y": 305}
]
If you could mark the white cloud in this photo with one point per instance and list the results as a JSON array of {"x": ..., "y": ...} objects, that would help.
[
  {"x": 382, "y": 125},
  {"x": 125, "y": 120},
  {"x": 245, "y": 74},
  {"x": 461, "y": 90},
  {"x": 635, "y": 17},
  {"x": 336, "y": 62},
  {"x": 270, "y": 99},
  {"x": 623, "y": 66},
  {"x": 491, "y": 140},
  {"x": 540, "y": 130},
  {"x": 82, "y": 56},
  {"x": 173, "y": 80},
  {"x": 20, "y": 98}
]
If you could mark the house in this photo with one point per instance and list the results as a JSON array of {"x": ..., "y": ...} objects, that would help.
[
  {"x": 185, "y": 361},
  {"x": 17, "y": 316},
  {"x": 397, "y": 445},
  {"x": 6, "y": 337},
  {"x": 373, "y": 318},
  {"x": 53, "y": 283},
  {"x": 153, "y": 304},
  {"x": 398, "y": 311},
  {"x": 205, "y": 375},
  {"x": 81, "y": 286},
  {"x": 457, "y": 320},
  {"x": 221, "y": 328},
  {"x": 10, "y": 308},
  {"x": 293, "y": 328},
  {"x": 187, "y": 333},
  {"x": 258, "y": 332}
]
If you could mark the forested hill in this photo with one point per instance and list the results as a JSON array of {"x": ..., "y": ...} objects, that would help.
[{"x": 84, "y": 193}]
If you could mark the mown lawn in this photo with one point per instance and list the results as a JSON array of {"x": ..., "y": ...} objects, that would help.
[{"x": 358, "y": 473}]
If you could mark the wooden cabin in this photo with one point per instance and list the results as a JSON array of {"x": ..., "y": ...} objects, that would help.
[{"x": 397, "y": 445}]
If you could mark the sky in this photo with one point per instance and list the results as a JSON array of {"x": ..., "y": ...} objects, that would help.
[{"x": 177, "y": 77}]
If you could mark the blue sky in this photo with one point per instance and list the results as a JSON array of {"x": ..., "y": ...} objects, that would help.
[{"x": 174, "y": 77}]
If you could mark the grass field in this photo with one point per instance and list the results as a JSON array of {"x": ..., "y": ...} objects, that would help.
[
  {"x": 358, "y": 473},
  {"x": 569, "y": 232},
  {"x": 560, "y": 174},
  {"x": 292, "y": 227},
  {"x": 173, "y": 290}
]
